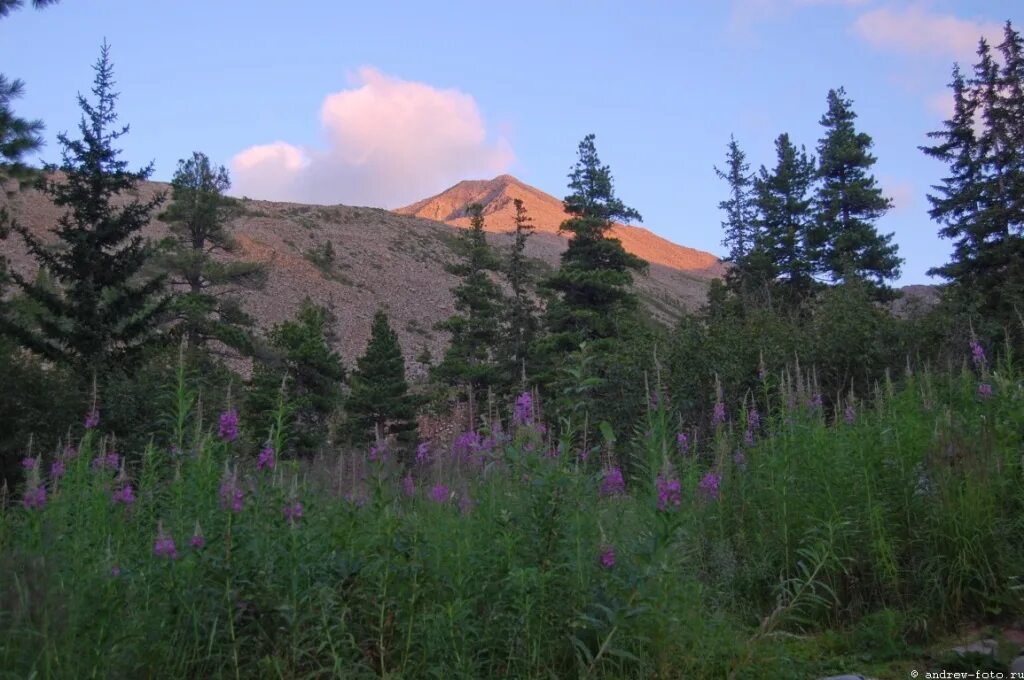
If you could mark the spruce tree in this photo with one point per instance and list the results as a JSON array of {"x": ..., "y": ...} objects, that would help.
[
  {"x": 740, "y": 227},
  {"x": 471, "y": 359},
  {"x": 521, "y": 318},
  {"x": 302, "y": 363},
  {"x": 104, "y": 309},
  {"x": 978, "y": 202},
  {"x": 783, "y": 218},
  {"x": 849, "y": 201},
  {"x": 591, "y": 286},
  {"x": 198, "y": 216},
  {"x": 379, "y": 402}
]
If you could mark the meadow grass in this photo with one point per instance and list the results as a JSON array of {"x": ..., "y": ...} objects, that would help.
[{"x": 788, "y": 539}]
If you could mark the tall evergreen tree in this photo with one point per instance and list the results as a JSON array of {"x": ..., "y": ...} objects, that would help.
[
  {"x": 302, "y": 363},
  {"x": 198, "y": 215},
  {"x": 592, "y": 283},
  {"x": 471, "y": 359},
  {"x": 739, "y": 226},
  {"x": 849, "y": 201},
  {"x": 783, "y": 218},
  {"x": 979, "y": 202},
  {"x": 102, "y": 311},
  {"x": 379, "y": 402},
  {"x": 521, "y": 319}
]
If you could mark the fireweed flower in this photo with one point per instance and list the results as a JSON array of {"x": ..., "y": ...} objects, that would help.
[
  {"x": 669, "y": 493},
  {"x": 607, "y": 557},
  {"x": 465, "y": 445},
  {"x": 230, "y": 493},
  {"x": 265, "y": 461},
  {"x": 718, "y": 417},
  {"x": 683, "y": 442},
  {"x": 125, "y": 494},
  {"x": 748, "y": 437},
  {"x": 423, "y": 453},
  {"x": 849, "y": 415},
  {"x": 109, "y": 461},
  {"x": 985, "y": 390},
  {"x": 227, "y": 428},
  {"x": 35, "y": 497},
  {"x": 523, "y": 413},
  {"x": 440, "y": 493},
  {"x": 379, "y": 451},
  {"x": 197, "y": 541},
  {"x": 163, "y": 546},
  {"x": 408, "y": 485},
  {"x": 753, "y": 419},
  {"x": 709, "y": 486},
  {"x": 815, "y": 402},
  {"x": 977, "y": 354},
  {"x": 293, "y": 512},
  {"x": 29, "y": 463},
  {"x": 56, "y": 469},
  {"x": 613, "y": 482},
  {"x": 92, "y": 419}
]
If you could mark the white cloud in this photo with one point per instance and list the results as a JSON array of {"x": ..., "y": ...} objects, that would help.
[
  {"x": 389, "y": 142},
  {"x": 917, "y": 31}
]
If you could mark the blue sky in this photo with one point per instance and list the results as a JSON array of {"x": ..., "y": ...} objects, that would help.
[{"x": 384, "y": 103}]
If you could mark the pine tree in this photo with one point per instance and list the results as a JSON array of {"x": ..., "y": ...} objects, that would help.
[
  {"x": 197, "y": 215},
  {"x": 592, "y": 283},
  {"x": 521, "y": 318},
  {"x": 311, "y": 374},
  {"x": 783, "y": 218},
  {"x": 472, "y": 356},
  {"x": 849, "y": 201},
  {"x": 103, "y": 312},
  {"x": 740, "y": 226},
  {"x": 979, "y": 202},
  {"x": 379, "y": 402}
]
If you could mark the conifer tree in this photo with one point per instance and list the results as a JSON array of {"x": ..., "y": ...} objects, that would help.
[
  {"x": 471, "y": 359},
  {"x": 783, "y": 215},
  {"x": 844, "y": 240},
  {"x": 104, "y": 310},
  {"x": 592, "y": 283},
  {"x": 302, "y": 363},
  {"x": 978, "y": 202},
  {"x": 738, "y": 225},
  {"x": 521, "y": 319},
  {"x": 198, "y": 215},
  {"x": 379, "y": 402}
]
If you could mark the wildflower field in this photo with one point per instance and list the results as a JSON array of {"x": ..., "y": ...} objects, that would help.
[{"x": 785, "y": 539}]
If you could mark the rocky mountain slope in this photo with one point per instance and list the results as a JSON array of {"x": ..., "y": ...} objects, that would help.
[{"x": 395, "y": 259}]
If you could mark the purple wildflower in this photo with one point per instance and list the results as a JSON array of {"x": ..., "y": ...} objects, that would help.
[
  {"x": 683, "y": 442},
  {"x": 668, "y": 493},
  {"x": 29, "y": 463},
  {"x": 440, "y": 493},
  {"x": 408, "y": 485},
  {"x": 849, "y": 415},
  {"x": 423, "y": 453},
  {"x": 266, "y": 458},
  {"x": 607, "y": 558},
  {"x": 56, "y": 469},
  {"x": 815, "y": 402},
  {"x": 613, "y": 482},
  {"x": 228, "y": 426},
  {"x": 523, "y": 414},
  {"x": 115, "y": 571},
  {"x": 379, "y": 451},
  {"x": 748, "y": 437},
  {"x": 718, "y": 417},
  {"x": 92, "y": 418},
  {"x": 198, "y": 540},
  {"x": 753, "y": 419},
  {"x": 163, "y": 546},
  {"x": 125, "y": 495},
  {"x": 985, "y": 390},
  {"x": 465, "y": 445},
  {"x": 231, "y": 495},
  {"x": 35, "y": 497},
  {"x": 70, "y": 451},
  {"x": 293, "y": 512},
  {"x": 109, "y": 461},
  {"x": 709, "y": 485},
  {"x": 977, "y": 354}
]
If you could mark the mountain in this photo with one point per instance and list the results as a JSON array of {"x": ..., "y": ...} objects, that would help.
[
  {"x": 497, "y": 197},
  {"x": 382, "y": 258}
]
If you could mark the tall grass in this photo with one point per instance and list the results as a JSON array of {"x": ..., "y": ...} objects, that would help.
[{"x": 513, "y": 556}]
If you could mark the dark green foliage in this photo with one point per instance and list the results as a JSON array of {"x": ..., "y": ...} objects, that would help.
[
  {"x": 102, "y": 312},
  {"x": 379, "y": 403},
  {"x": 780, "y": 255},
  {"x": 471, "y": 360},
  {"x": 978, "y": 201},
  {"x": 591, "y": 287},
  {"x": 208, "y": 309},
  {"x": 310, "y": 374},
  {"x": 521, "y": 323},
  {"x": 843, "y": 240},
  {"x": 8, "y": 6}
]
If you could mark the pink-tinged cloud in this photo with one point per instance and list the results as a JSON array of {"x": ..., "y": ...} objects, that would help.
[
  {"x": 918, "y": 31},
  {"x": 389, "y": 142},
  {"x": 902, "y": 193}
]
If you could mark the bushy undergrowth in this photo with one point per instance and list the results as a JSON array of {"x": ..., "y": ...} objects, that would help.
[{"x": 519, "y": 555}]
